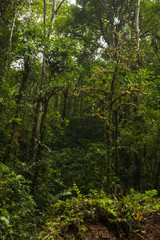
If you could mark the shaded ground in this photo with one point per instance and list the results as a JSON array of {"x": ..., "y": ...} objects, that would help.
[
  {"x": 150, "y": 230},
  {"x": 98, "y": 232}
]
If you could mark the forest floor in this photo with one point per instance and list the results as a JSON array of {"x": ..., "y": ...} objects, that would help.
[
  {"x": 150, "y": 230},
  {"x": 134, "y": 217}
]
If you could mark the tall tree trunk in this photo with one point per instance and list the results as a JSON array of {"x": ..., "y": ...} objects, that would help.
[
  {"x": 39, "y": 107},
  {"x": 36, "y": 130},
  {"x": 116, "y": 143},
  {"x": 9, "y": 46},
  {"x": 37, "y": 126},
  {"x": 26, "y": 74},
  {"x": 110, "y": 125},
  {"x": 53, "y": 13},
  {"x": 137, "y": 25},
  {"x": 42, "y": 126}
]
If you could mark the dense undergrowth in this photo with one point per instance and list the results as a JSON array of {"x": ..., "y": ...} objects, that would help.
[
  {"x": 70, "y": 217},
  {"x": 17, "y": 207}
]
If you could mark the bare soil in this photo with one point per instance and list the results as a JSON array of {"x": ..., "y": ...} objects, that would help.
[
  {"x": 150, "y": 227},
  {"x": 150, "y": 230},
  {"x": 98, "y": 232}
]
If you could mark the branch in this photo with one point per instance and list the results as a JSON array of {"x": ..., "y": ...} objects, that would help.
[
  {"x": 147, "y": 33},
  {"x": 93, "y": 89},
  {"x": 130, "y": 104},
  {"x": 59, "y": 6},
  {"x": 48, "y": 94},
  {"x": 102, "y": 29},
  {"x": 105, "y": 119},
  {"x": 150, "y": 19}
]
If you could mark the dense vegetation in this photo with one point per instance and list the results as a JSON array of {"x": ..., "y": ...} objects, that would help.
[{"x": 80, "y": 113}]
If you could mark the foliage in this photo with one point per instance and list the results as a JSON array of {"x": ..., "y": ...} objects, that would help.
[
  {"x": 16, "y": 206},
  {"x": 79, "y": 103},
  {"x": 75, "y": 164},
  {"x": 69, "y": 218}
]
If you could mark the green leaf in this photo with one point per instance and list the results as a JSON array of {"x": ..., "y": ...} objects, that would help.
[{"x": 6, "y": 220}]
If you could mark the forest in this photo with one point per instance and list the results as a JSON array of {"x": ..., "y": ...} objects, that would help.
[{"x": 79, "y": 119}]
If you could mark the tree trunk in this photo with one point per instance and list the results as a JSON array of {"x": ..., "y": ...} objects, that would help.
[
  {"x": 110, "y": 124},
  {"x": 9, "y": 46},
  {"x": 137, "y": 172},
  {"x": 116, "y": 144},
  {"x": 65, "y": 93},
  {"x": 36, "y": 130},
  {"x": 39, "y": 107},
  {"x": 137, "y": 25},
  {"x": 53, "y": 13},
  {"x": 37, "y": 126}
]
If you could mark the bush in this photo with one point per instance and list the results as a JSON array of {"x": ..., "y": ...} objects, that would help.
[
  {"x": 16, "y": 206},
  {"x": 124, "y": 217}
]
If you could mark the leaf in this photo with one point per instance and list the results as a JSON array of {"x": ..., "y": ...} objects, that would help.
[
  {"x": 18, "y": 177},
  {"x": 151, "y": 192},
  {"x": 6, "y": 220}
]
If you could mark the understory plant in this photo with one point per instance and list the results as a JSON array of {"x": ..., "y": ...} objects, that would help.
[
  {"x": 16, "y": 206},
  {"x": 70, "y": 218}
]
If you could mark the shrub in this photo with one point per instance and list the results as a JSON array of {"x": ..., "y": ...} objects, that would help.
[{"x": 16, "y": 205}]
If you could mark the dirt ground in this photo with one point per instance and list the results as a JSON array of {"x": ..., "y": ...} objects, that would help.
[
  {"x": 98, "y": 232},
  {"x": 150, "y": 230}
]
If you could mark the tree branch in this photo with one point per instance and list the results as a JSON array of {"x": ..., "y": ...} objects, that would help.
[
  {"x": 59, "y": 6},
  {"x": 150, "y": 18}
]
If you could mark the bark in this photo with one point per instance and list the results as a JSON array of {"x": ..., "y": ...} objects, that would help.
[
  {"x": 42, "y": 128},
  {"x": 116, "y": 144},
  {"x": 110, "y": 125},
  {"x": 41, "y": 109},
  {"x": 53, "y": 13},
  {"x": 59, "y": 6},
  {"x": 65, "y": 93},
  {"x": 44, "y": 119},
  {"x": 26, "y": 74},
  {"x": 44, "y": 16},
  {"x": 108, "y": 157},
  {"x": 9, "y": 46},
  {"x": 36, "y": 130},
  {"x": 137, "y": 24},
  {"x": 137, "y": 173}
]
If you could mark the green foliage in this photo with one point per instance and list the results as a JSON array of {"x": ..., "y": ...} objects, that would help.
[
  {"x": 79, "y": 111},
  {"x": 16, "y": 206},
  {"x": 69, "y": 218},
  {"x": 84, "y": 165},
  {"x": 137, "y": 205}
]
